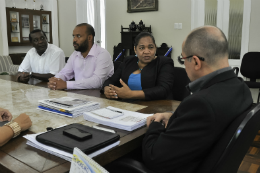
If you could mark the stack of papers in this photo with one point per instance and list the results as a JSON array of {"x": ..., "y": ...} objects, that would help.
[
  {"x": 67, "y": 106},
  {"x": 107, "y": 113},
  {"x": 128, "y": 120},
  {"x": 60, "y": 153}
]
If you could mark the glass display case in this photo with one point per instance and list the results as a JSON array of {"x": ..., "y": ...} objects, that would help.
[{"x": 20, "y": 22}]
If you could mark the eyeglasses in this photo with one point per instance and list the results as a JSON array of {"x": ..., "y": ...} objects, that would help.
[{"x": 181, "y": 58}]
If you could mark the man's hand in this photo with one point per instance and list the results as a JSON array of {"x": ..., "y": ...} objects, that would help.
[
  {"x": 125, "y": 92},
  {"x": 53, "y": 79},
  {"x": 159, "y": 117},
  {"x": 5, "y": 115},
  {"x": 23, "y": 77},
  {"x": 52, "y": 83},
  {"x": 109, "y": 93},
  {"x": 24, "y": 121},
  {"x": 57, "y": 84}
]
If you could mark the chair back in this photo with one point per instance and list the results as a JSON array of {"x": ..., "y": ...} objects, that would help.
[
  {"x": 162, "y": 50},
  {"x": 5, "y": 62},
  {"x": 181, "y": 80},
  {"x": 117, "y": 50},
  {"x": 230, "y": 149},
  {"x": 250, "y": 65},
  {"x": 66, "y": 59}
]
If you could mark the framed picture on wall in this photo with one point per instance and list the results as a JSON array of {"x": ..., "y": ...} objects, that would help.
[{"x": 141, "y": 5}]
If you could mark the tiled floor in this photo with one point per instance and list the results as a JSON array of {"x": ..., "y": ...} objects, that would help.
[{"x": 251, "y": 161}]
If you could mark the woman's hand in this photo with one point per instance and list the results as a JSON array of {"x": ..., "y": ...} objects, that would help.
[
  {"x": 5, "y": 115},
  {"x": 24, "y": 121},
  {"x": 109, "y": 93},
  {"x": 124, "y": 92}
]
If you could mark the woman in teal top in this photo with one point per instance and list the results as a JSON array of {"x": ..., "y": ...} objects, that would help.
[{"x": 144, "y": 76}]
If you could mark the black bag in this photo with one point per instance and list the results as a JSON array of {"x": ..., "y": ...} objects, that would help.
[{"x": 57, "y": 139}]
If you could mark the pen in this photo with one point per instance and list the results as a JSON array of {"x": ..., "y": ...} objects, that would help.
[
  {"x": 119, "y": 55},
  {"x": 115, "y": 110},
  {"x": 168, "y": 51}
]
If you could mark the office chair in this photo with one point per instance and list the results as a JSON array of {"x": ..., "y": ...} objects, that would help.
[
  {"x": 163, "y": 50},
  {"x": 250, "y": 68},
  {"x": 116, "y": 65},
  {"x": 181, "y": 79},
  {"x": 225, "y": 156}
]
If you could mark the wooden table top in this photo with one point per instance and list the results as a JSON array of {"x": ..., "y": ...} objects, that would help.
[{"x": 17, "y": 156}]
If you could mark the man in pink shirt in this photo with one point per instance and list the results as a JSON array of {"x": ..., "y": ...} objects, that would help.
[{"x": 89, "y": 64}]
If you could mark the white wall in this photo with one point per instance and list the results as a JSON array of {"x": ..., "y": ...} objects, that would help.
[
  {"x": 67, "y": 22},
  {"x": 254, "y": 37},
  {"x": 162, "y": 22}
]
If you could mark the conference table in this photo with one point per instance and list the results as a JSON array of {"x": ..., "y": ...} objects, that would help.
[{"x": 17, "y": 156}]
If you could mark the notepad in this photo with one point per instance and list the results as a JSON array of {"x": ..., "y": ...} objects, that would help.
[{"x": 108, "y": 112}]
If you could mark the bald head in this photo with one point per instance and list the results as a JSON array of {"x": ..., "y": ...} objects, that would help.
[{"x": 208, "y": 42}]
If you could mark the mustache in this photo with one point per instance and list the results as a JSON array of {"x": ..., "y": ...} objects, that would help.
[{"x": 75, "y": 43}]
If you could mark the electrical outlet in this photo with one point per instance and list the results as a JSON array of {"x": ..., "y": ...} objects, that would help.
[
  {"x": 176, "y": 26},
  {"x": 180, "y": 26}
]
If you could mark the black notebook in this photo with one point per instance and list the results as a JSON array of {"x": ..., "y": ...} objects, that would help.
[{"x": 58, "y": 139}]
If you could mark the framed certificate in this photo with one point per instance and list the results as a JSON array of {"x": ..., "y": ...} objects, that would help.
[
  {"x": 14, "y": 39},
  {"x": 13, "y": 17},
  {"x": 44, "y": 19}
]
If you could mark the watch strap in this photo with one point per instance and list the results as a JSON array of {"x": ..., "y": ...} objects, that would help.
[{"x": 15, "y": 127}]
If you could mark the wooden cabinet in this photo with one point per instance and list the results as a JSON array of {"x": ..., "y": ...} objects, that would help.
[
  {"x": 128, "y": 38},
  {"x": 20, "y": 22}
]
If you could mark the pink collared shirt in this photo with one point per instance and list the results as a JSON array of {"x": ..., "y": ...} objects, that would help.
[{"x": 90, "y": 72}]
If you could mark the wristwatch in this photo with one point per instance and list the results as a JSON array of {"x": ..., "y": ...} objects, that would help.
[{"x": 15, "y": 127}]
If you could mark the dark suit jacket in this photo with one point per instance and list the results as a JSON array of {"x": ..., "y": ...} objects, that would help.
[
  {"x": 156, "y": 77},
  {"x": 196, "y": 125}
]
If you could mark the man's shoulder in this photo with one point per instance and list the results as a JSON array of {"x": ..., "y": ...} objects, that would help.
[
  {"x": 101, "y": 50},
  {"x": 32, "y": 50},
  {"x": 55, "y": 48},
  {"x": 74, "y": 55}
]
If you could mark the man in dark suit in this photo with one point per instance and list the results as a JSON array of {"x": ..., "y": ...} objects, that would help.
[{"x": 180, "y": 141}]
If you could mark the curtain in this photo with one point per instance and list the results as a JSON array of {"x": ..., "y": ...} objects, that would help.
[
  {"x": 3, "y": 31},
  {"x": 81, "y": 12},
  {"x": 93, "y": 13}
]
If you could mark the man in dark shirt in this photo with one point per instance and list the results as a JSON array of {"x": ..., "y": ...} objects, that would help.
[{"x": 180, "y": 141}]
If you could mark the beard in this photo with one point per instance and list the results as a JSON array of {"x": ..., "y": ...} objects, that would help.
[{"x": 82, "y": 47}]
